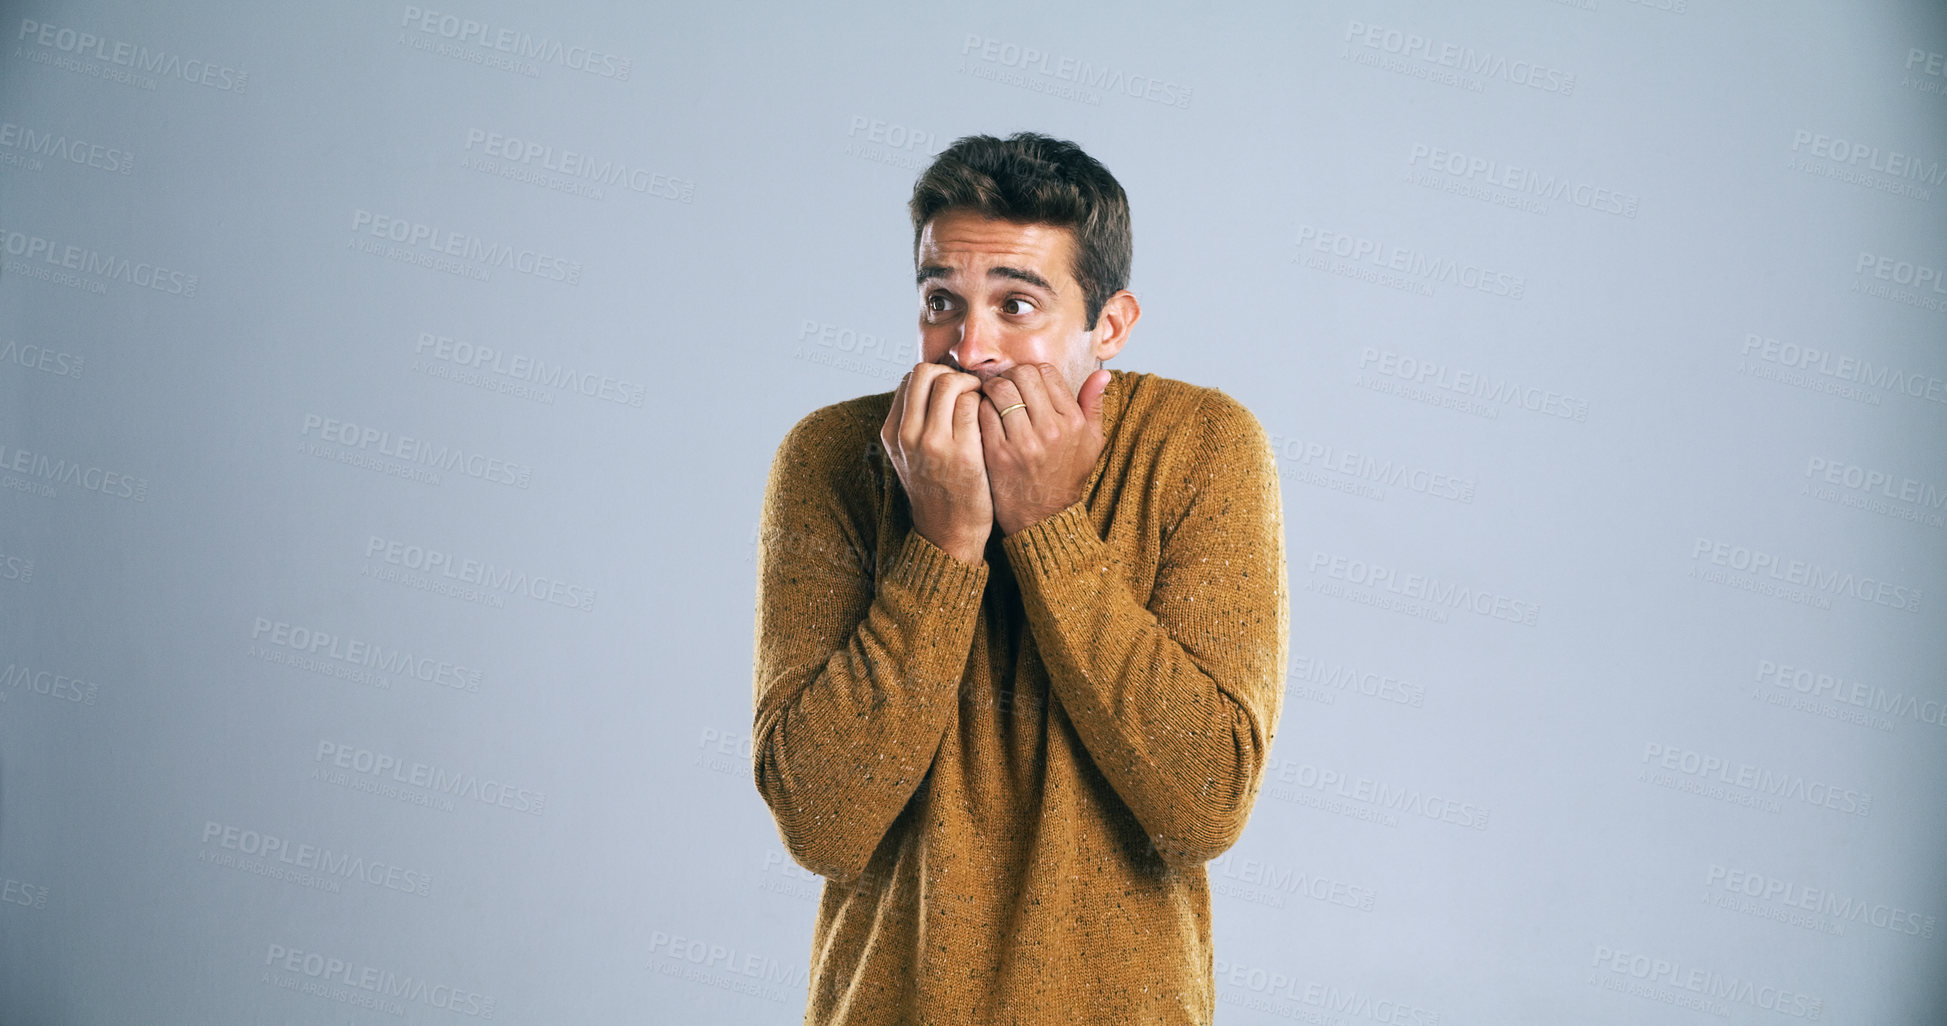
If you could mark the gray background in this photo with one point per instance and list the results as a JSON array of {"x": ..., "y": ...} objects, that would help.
[{"x": 1635, "y": 322}]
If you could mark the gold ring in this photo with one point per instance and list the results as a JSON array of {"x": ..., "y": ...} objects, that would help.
[{"x": 1012, "y": 408}]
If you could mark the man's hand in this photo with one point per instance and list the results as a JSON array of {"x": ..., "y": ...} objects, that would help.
[
  {"x": 1039, "y": 458},
  {"x": 932, "y": 436}
]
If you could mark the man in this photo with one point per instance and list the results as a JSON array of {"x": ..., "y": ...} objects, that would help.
[{"x": 1021, "y": 631}]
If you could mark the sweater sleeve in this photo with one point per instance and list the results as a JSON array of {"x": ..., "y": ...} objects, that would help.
[
  {"x": 1177, "y": 702},
  {"x": 857, "y": 667}
]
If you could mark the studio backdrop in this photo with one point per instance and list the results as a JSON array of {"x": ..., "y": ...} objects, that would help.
[{"x": 387, "y": 393}]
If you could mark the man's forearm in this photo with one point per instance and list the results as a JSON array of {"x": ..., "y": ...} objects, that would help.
[
  {"x": 851, "y": 708},
  {"x": 1177, "y": 700}
]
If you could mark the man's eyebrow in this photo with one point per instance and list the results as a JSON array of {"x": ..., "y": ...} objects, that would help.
[
  {"x": 1021, "y": 274},
  {"x": 1016, "y": 273}
]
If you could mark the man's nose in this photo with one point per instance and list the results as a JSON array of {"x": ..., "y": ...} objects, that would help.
[{"x": 978, "y": 343}]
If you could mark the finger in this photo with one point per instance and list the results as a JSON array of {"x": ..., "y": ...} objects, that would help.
[
  {"x": 1061, "y": 391},
  {"x": 1090, "y": 396},
  {"x": 889, "y": 431},
  {"x": 1004, "y": 394},
  {"x": 912, "y": 423},
  {"x": 947, "y": 388},
  {"x": 993, "y": 431},
  {"x": 966, "y": 415},
  {"x": 1041, "y": 407}
]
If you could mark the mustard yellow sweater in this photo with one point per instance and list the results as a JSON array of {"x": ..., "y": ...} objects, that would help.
[{"x": 1012, "y": 774}]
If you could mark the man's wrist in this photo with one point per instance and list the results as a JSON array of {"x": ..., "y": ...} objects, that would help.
[
  {"x": 975, "y": 555},
  {"x": 968, "y": 549},
  {"x": 1016, "y": 523},
  {"x": 1013, "y": 526}
]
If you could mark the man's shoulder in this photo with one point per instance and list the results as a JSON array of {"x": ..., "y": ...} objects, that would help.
[
  {"x": 835, "y": 442},
  {"x": 1168, "y": 407},
  {"x": 858, "y": 417}
]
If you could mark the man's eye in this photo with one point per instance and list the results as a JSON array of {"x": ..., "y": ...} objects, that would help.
[
  {"x": 1028, "y": 307},
  {"x": 936, "y": 303}
]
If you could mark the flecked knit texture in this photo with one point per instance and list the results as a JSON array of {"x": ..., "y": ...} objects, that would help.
[{"x": 1012, "y": 774}]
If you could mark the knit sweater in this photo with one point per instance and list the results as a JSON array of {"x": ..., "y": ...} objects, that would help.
[{"x": 1011, "y": 773}]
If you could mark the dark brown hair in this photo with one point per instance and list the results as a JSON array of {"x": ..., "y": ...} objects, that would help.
[{"x": 1031, "y": 178}]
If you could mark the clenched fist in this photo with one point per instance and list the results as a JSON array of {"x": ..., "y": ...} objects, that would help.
[
  {"x": 1039, "y": 457},
  {"x": 932, "y": 436}
]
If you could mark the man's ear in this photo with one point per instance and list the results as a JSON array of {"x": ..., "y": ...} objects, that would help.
[{"x": 1112, "y": 326}]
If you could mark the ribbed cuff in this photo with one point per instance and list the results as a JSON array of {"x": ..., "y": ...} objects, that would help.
[
  {"x": 932, "y": 573},
  {"x": 1058, "y": 545}
]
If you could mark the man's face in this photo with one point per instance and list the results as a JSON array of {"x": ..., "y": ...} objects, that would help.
[{"x": 996, "y": 294}]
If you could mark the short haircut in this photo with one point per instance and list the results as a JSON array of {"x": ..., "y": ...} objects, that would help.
[{"x": 1031, "y": 178}]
